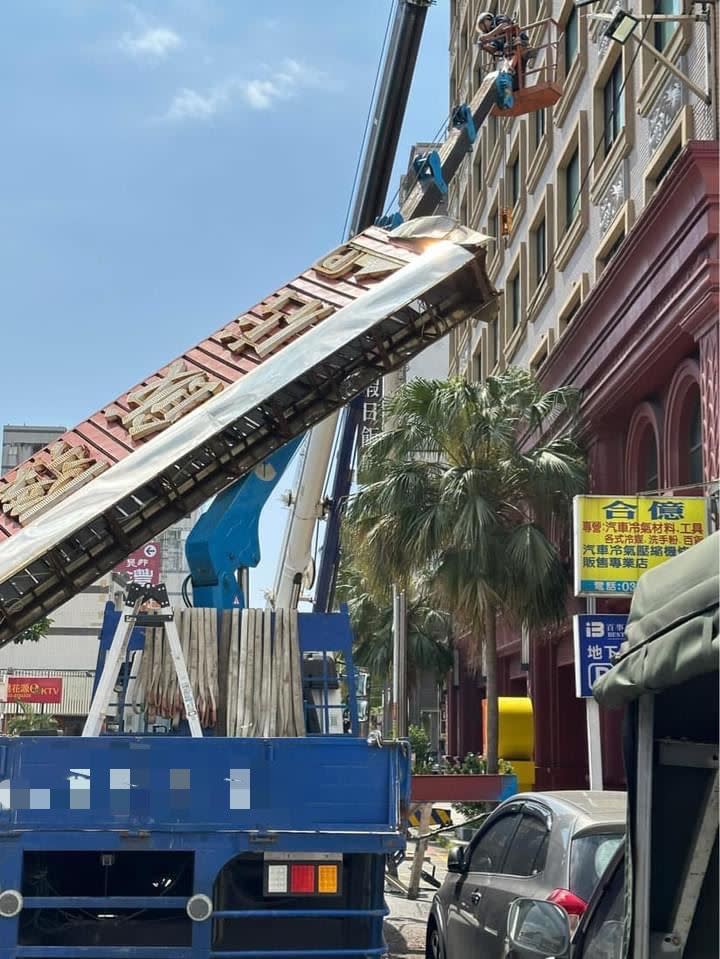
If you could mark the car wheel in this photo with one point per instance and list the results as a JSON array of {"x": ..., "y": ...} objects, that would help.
[{"x": 435, "y": 949}]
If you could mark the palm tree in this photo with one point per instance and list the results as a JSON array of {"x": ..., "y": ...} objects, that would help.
[
  {"x": 429, "y": 630},
  {"x": 463, "y": 485}
]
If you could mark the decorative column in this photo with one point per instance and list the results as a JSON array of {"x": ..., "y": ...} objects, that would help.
[{"x": 710, "y": 402}]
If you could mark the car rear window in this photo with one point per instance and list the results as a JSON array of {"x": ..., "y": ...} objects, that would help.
[{"x": 589, "y": 858}]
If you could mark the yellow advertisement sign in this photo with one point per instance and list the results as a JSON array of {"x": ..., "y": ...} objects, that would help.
[{"x": 618, "y": 538}]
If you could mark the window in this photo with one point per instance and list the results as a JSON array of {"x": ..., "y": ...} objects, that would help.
[
  {"x": 649, "y": 465},
  {"x": 539, "y": 126},
  {"x": 613, "y": 106},
  {"x": 489, "y": 851},
  {"x": 665, "y": 29},
  {"x": 609, "y": 250},
  {"x": 604, "y": 932},
  {"x": 571, "y": 39},
  {"x": 477, "y": 367},
  {"x": 494, "y": 228},
  {"x": 674, "y": 154},
  {"x": 494, "y": 338},
  {"x": 514, "y": 181},
  {"x": 540, "y": 251},
  {"x": 695, "y": 451},
  {"x": 528, "y": 851},
  {"x": 492, "y": 128},
  {"x": 572, "y": 188},
  {"x": 477, "y": 171},
  {"x": 515, "y": 302},
  {"x": 589, "y": 858}
]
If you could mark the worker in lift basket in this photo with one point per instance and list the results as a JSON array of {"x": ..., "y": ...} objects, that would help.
[{"x": 500, "y": 36}]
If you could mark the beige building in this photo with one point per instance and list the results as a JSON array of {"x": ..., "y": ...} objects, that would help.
[{"x": 575, "y": 176}]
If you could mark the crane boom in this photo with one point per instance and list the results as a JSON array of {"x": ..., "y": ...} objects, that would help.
[{"x": 387, "y": 114}]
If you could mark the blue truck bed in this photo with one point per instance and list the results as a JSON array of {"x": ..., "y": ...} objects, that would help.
[{"x": 86, "y": 823}]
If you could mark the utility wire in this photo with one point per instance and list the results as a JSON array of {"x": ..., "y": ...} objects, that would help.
[
  {"x": 416, "y": 177},
  {"x": 367, "y": 121}
]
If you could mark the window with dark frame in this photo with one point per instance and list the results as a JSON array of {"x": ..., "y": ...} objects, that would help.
[
  {"x": 695, "y": 450},
  {"x": 613, "y": 248},
  {"x": 567, "y": 318},
  {"x": 664, "y": 29},
  {"x": 571, "y": 39},
  {"x": 528, "y": 850},
  {"x": 649, "y": 466},
  {"x": 514, "y": 178},
  {"x": 613, "y": 106},
  {"x": 492, "y": 132},
  {"x": 664, "y": 169},
  {"x": 494, "y": 227},
  {"x": 493, "y": 335},
  {"x": 477, "y": 367},
  {"x": 539, "y": 239},
  {"x": 572, "y": 188},
  {"x": 539, "y": 126},
  {"x": 515, "y": 302}
]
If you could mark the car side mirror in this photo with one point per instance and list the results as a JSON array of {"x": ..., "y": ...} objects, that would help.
[
  {"x": 456, "y": 859},
  {"x": 537, "y": 928}
]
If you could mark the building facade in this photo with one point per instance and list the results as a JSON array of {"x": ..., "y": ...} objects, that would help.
[
  {"x": 609, "y": 283},
  {"x": 21, "y": 442}
]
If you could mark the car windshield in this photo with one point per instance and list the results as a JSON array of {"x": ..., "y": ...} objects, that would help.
[{"x": 589, "y": 858}]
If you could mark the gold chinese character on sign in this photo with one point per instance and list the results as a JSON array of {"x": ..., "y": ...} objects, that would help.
[
  {"x": 164, "y": 401},
  {"x": 253, "y": 331},
  {"x": 341, "y": 261},
  {"x": 40, "y": 485}
]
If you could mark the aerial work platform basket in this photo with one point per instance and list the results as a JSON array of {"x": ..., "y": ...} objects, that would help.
[{"x": 537, "y": 78}]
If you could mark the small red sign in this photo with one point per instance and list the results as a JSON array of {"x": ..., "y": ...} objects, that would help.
[
  {"x": 34, "y": 689},
  {"x": 143, "y": 566}
]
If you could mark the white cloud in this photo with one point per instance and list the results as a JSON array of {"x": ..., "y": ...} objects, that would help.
[
  {"x": 191, "y": 105},
  {"x": 153, "y": 43},
  {"x": 259, "y": 93}
]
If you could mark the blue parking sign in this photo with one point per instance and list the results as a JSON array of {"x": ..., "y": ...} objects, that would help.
[{"x": 598, "y": 637}]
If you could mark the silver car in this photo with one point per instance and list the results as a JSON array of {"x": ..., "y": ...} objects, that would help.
[{"x": 553, "y": 845}]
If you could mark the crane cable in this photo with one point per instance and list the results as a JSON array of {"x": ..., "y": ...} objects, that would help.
[{"x": 367, "y": 120}]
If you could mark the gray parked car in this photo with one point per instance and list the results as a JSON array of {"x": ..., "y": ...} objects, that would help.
[{"x": 552, "y": 846}]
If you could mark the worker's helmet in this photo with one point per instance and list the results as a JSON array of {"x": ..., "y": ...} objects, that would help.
[{"x": 482, "y": 17}]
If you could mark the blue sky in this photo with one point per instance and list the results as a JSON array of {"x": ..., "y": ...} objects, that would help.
[{"x": 168, "y": 164}]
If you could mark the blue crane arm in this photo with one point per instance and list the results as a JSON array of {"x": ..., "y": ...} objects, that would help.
[{"x": 225, "y": 538}]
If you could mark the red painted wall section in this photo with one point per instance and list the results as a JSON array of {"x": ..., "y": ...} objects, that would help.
[{"x": 646, "y": 335}]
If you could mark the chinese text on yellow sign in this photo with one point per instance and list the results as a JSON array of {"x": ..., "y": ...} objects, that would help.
[{"x": 618, "y": 538}]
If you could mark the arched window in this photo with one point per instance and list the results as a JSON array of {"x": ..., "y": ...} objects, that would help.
[
  {"x": 649, "y": 469},
  {"x": 695, "y": 450},
  {"x": 643, "y": 472},
  {"x": 683, "y": 427}
]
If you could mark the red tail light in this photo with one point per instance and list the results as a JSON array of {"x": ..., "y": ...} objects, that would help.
[{"x": 572, "y": 904}]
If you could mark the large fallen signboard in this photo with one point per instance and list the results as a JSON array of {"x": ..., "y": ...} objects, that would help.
[
  {"x": 77, "y": 508},
  {"x": 618, "y": 538}
]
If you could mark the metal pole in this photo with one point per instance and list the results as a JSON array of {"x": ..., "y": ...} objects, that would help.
[
  {"x": 698, "y": 91},
  {"x": 394, "y": 711},
  {"x": 669, "y": 65},
  {"x": 592, "y": 718},
  {"x": 402, "y": 700},
  {"x": 642, "y": 827}
]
